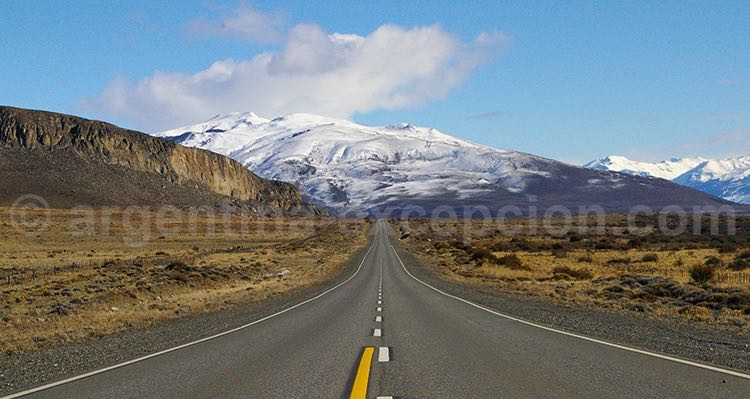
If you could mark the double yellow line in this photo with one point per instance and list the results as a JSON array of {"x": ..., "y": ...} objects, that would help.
[{"x": 359, "y": 389}]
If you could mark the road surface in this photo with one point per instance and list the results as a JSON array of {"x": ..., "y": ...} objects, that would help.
[{"x": 383, "y": 333}]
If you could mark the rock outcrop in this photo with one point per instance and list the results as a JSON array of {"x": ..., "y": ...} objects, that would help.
[{"x": 44, "y": 146}]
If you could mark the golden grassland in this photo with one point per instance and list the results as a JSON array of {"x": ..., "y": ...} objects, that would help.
[
  {"x": 74, "y": 280},
  {"x": 649, "y": 275}
]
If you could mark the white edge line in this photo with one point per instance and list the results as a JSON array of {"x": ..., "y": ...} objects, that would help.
[
  {"x": 583, "y": 337},
  {"x": 140, "y": 359}
]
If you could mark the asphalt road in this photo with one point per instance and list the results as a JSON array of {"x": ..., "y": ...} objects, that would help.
[{"x": 424, "y": 344}]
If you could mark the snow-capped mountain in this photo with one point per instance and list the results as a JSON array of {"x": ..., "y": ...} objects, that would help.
[
  {"x": 347, "y": 167},
  {"x": 725, "y": 178},
  {"x": 664, "y": 170}
]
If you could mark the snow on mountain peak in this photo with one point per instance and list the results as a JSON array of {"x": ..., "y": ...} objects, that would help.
[
  {"x": 343, "y": 164},
  {"x": 664, "y": 170},
  {"x": 355, "y": 169},
  {"x": 725, "y": 178}
]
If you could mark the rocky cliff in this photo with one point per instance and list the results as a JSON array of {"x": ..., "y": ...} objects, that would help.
[{"x": 133, "y": 165}]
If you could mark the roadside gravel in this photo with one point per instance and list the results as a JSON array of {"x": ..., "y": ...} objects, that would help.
[
  {"x": 19, "y": 372},
  {"x": 678, "y": 339}
]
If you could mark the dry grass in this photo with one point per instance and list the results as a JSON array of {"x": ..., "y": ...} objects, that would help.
[
  {"x": 65, "y": 287},
  {"x": 652, "y": 275}
]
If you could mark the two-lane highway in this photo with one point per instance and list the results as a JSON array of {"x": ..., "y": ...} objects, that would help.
[{"x": 384, "y": 333}]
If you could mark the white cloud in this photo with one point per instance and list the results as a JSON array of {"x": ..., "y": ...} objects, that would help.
[
  {"x": 316, "y": 72},
  {"x": 243, "y": 24}
]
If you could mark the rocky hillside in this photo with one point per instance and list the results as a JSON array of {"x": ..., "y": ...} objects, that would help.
[{"x": 71, "y": 160}]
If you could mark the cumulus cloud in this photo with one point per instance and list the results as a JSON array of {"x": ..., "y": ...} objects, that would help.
[{"x": 313, "y": 71}]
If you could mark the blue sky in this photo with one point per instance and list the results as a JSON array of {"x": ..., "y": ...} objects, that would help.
[{"x": 567, "y": 80}]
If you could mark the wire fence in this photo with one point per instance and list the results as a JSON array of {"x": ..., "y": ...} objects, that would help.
[{"x": 734, "y": 278}]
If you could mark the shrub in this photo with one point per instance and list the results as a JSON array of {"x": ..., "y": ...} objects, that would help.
[
  {"x": 585, "y": 258},
  {"x": 578, "y": 274},
  {"x": 650, "y": 258},
  {"x": 744, "y": 255},
  {"x": 522, "y": 244},
  {"x": 560, "y": 253},
  {"x": 739, "y": 299},
  {"x": 181, "y": 277},
  {"x": 619, "y": 261},
  {"x": 481, "y": 254},
  {"x": 702, "y": 274},
  {"x": 511, "y": 261},
  {"x": 178, "y": 266},
  {"x": 739, "y": 264},
  {"x": 727, "y": 247},
  {"x": 712, "y": 261}
]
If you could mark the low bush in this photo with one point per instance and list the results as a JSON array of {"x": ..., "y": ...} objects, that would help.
[
  {"x": 739, "y": 264},
  {"x": 482, "y": 254},
  {"x": 574, "y": 237},
  {"x": 511, "y": 261},
  {"x": 650, "y": 258},
  {"x": 619, "y": 261},
  {"x": 739, "y": 299},
  {"x": 712, "y": 261},
  {"x": 578, "y": 274},
  {"x": 560, "y": 253},
  {"x": 702, "y": 274},
  {"x": 726, "y": 247},
  {"x": 177, "y": 266},
  {"x": 585, "y": 258}
]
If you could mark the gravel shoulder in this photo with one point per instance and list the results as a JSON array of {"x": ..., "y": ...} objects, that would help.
[
  {"x": 24, "y": 371},
  {"x": 678, "y": 339}
]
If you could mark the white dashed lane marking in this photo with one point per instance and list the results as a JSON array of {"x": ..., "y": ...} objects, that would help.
[
  {"x": 378, "y": 318},
  {"x": 384, "y": 354},
  {"x": 377, "y": 332}
]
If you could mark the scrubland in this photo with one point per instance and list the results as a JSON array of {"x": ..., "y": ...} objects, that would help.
[
  {"x": 702, "y": 277},
  {"x": 90, "y": 273}
]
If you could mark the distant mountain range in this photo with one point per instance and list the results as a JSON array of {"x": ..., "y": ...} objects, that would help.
[
  {"x": 354, "y": 169},
  {"x": 725, "y": 178},
  {"x": 72, "y": 161}
]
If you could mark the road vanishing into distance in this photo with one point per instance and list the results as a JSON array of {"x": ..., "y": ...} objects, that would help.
[{"x": 383, "y": 333}]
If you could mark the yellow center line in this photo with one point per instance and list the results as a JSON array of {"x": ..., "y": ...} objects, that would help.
[{"x": 359, "y": 389}]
